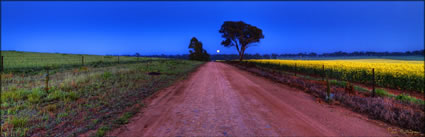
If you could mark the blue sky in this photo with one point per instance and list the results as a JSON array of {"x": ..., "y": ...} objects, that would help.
[{"x": 167, "y": 27}]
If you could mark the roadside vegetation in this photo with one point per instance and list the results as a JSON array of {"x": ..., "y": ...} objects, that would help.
[
  {"x": 401, "y": 110},
  {"x": 80, "y": 98}
]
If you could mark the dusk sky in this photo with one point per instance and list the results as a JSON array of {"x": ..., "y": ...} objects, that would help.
[{"x": 167, "y": 27}]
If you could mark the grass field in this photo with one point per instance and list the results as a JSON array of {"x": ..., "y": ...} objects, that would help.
[
  {"x": 16, "y": 61},
  {"x": 79, "y": 98},
  {"x": 397, "y": 74}
]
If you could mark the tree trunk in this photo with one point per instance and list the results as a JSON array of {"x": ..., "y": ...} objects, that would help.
[
  {"x": 241, "y": 55},
  {"x": 240, "y": 58}
]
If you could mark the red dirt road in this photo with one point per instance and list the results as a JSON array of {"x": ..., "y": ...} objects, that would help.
[{"x": 221, "y": 100}]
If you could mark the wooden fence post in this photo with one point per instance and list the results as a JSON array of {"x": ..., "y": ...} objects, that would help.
[
  {"x": 2, "y": 64},
  {"x": 147, "y": 64},
  {"x": 328, "y": 90},
  {"x": 278, "y": 68},
  {"x": 373, "y": 82},
  {"x": 82, "y": 60},
  {"x": 323, "y": 72},
  {"x": 47, "y": 80}
]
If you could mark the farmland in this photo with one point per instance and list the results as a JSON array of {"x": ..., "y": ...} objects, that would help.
[
  {"x": 27, "y": 62},
  {"x": 71, "y": 97},
  {"x": 69, "y": 94},
  {"x": 397, "y": 74}
]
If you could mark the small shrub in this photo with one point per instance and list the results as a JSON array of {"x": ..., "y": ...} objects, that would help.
[
  {"x": 18, "y": 122},
  {"x": 36, "y": 95},
  {"x": 381, "y": 92},
  {"x": 13, "y": 96},
  {"x": 338, "y": 83},
  {"x": 73, "y": 95},
  {"x": 106, "y": 75},
  {"x": 101, "y": 131},
  {"x": 406, "y": 98},
  {"x": 13, "y": 88},
  {"x": 62, "y": 95},
  {"x": 84, "y": 69},
  {"x": 5, "y": 104},
  {"x": 403, "y": 97},
  {"x": 124, "y": 118},
  {"x": 51, "y": 107},
  {"x": 56, "y": 94},
  {"x": 361, "y": 89},
  {"x": 62, "y": 115},
  {"x": 11, "y": 111}
]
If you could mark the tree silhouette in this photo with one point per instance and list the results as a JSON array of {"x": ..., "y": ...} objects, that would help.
[
  {"x": 240, "y": 35},
  {"x": 198, "y": 53}
]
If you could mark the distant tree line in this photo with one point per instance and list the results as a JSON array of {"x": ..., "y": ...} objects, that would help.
[{"x": 312, "y": 54}]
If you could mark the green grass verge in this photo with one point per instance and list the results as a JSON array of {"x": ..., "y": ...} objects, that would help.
[{"x": 83, "y": 98}]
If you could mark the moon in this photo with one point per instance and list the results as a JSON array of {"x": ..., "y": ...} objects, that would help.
[{"x": 218, "y": 51}]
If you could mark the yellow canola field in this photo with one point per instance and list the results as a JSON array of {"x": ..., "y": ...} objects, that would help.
[{"x": 388, "y": 72}]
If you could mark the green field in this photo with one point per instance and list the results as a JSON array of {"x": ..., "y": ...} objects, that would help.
[
  {"x": 79, "y": 98},
  {"x": 16, "y": 61}
]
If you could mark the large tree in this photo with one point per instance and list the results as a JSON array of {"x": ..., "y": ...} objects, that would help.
[
  {"x": 197, "y": 52},
  {"x": 240, "y": 35}
]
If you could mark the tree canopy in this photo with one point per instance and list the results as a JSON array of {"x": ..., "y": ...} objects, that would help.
[
  {"x": 240, "y": 35},
  {"x": 197, "y": 52}
]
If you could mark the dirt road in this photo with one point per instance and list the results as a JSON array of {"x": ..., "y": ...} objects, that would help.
[{"x": 220, "y": 100}]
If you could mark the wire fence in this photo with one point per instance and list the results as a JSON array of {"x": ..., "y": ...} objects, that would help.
[
  {"x": 16, "y": 63},
  {"x": 370, "y": 77},
  {"x": 31, "y": 72}
]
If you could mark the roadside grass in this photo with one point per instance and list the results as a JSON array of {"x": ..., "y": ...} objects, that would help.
[
  {"x": 123, "y": 119},
  {"x": 406, "y": 114},
  {"x": 82, "y": 98}
]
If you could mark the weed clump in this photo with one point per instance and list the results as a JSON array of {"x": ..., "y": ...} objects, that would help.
[
  {"x": 381, "y": 92},
  {"x": 18, "y": 122},
  {"x": 36, "y": 95}
]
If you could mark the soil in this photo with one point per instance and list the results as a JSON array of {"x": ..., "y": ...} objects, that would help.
[{"x": 222, "y": 100}]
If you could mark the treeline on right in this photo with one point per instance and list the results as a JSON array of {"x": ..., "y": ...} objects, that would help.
[
  {"x": 297, "y": 55},
  {"x": 312, "y": 54}
]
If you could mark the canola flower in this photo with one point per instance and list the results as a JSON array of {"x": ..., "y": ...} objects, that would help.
[{"x": 399, "y": 74}]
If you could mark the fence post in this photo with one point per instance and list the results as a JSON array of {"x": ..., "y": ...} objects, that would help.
[
  {"x": 147, "y": 64},
  {"x": 2, "y": 63},
  {"x": 373, "y": 82},
  {"x": 278, "y": 68},
  {"x": 47, "y": 80},
  {"x": 82, "y": 60},
  {"x": 295, "y": 71},
  {"x": 118, "y": 59},
  {"x": 323, "y": 72},
  {"x": 328, "y": 90}
]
